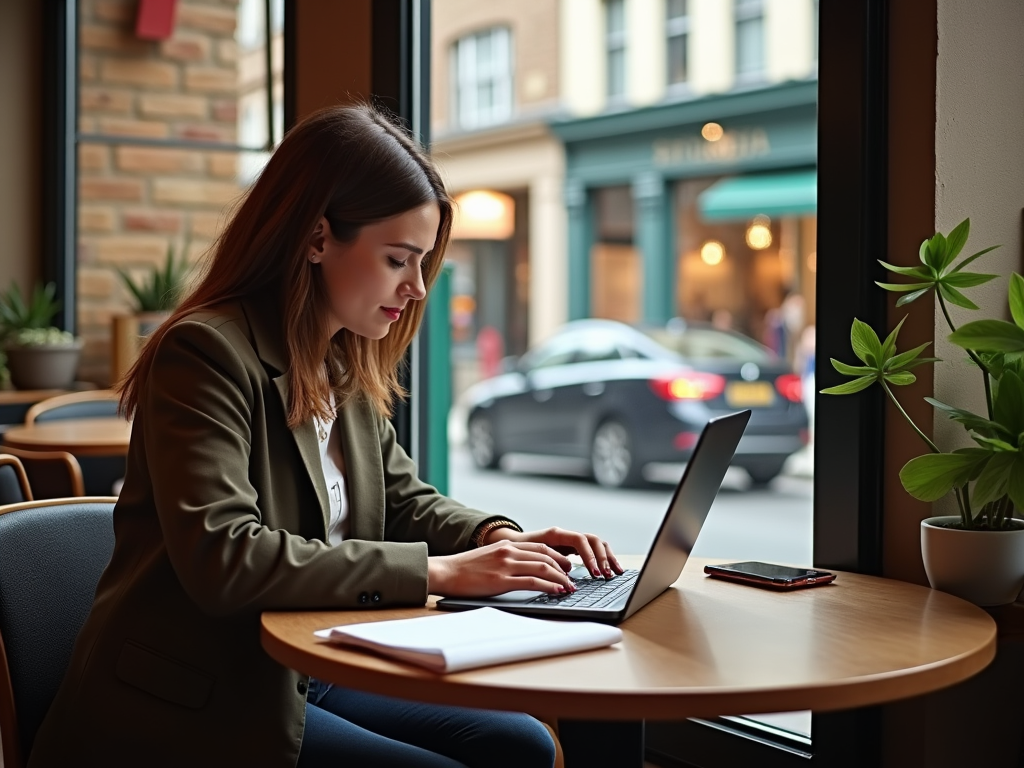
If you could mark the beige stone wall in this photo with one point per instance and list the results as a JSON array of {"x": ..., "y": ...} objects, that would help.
[
  {"x": 534, "y": 27},
  {"x": 134, "y": 201}
]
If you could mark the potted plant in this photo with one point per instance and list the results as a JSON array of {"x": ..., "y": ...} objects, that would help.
[
  {"x": 158, "y": 292},
  {"x": 39, "y": 356},
  {"x": 979, "y": 553}
]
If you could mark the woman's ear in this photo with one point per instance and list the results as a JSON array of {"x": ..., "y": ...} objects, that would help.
[{"x": 316, "y": 240}]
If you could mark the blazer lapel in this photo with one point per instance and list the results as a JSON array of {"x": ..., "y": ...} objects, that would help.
[
  {"x": 364, "y": 472},
  {"x": 263, "y": 316}
]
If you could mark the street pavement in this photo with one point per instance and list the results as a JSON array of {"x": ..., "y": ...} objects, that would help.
[{"x": 771, "y": 524}]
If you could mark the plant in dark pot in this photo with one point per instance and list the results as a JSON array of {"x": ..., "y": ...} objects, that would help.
[
  {"x": 979, "y": 553},
  {"x": 158, "y": 291},
  {"x": 39, "y": 356}
]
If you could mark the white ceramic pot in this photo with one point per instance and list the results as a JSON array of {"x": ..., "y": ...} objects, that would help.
[{"x": 985, "y": 567}]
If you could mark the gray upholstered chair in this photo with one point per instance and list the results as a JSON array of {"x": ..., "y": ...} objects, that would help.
[
  {"x": 14, "y": 485},
  {"x": 47, "y": 582}
]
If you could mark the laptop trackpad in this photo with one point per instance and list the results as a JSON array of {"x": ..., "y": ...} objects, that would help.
[{"x": 516, "y": 596}]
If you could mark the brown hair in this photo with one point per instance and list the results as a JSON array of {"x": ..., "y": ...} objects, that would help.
[{"x": 353, "y": 166}]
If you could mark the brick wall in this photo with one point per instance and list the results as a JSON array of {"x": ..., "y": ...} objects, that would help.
[{"x": 133, "y": 201}]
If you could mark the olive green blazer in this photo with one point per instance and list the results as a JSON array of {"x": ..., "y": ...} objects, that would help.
[{"x": 223, "y": 514}]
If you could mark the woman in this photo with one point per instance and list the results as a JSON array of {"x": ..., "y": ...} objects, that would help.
[{"x": 263, "y": 474}]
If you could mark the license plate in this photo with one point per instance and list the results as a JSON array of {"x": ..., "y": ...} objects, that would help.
[{"x": 748, "y": 393}]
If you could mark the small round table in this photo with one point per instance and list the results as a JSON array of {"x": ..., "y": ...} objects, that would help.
[
  {"x": 703, "y": 648},
  {"x": 106, "y": 436}
]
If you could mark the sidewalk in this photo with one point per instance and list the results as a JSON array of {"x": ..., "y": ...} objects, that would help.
[{"x": 801, "y": 463}]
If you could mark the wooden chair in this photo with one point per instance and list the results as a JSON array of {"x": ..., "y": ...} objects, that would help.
[
  {"x": 14, "y": 485},
  {"x": 47, "y": 582},
  {"x": 99, "y": 473},
  {"x": 51, "y": 474},
  {"x": 90, "y": 404}
]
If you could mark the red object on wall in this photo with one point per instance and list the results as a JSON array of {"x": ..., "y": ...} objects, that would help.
[{"x": 155, "y": 20}]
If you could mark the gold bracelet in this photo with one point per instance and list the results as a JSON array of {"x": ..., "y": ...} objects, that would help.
[{"x": 481, "y": 533}]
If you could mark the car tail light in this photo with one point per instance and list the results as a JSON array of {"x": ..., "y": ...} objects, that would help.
[
  {"x": 684, "y": 441},
  {"x": 692, "y": 385},
  {"x": 790, "y": 387}
]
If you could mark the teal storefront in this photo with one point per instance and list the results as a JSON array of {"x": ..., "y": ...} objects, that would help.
[{"x": 761, "y": 160}]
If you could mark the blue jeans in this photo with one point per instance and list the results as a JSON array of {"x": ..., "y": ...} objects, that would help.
[{"x": 351, "y": 728}]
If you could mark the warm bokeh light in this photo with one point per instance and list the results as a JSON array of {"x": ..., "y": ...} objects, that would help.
[
  {"x": 483, "y": 215},
  {"x": 812, "y": 261},
  {"x": 712, "y": 131},
  {"x": 759, "y": 236},
  {"x": 712, "y": 253}
]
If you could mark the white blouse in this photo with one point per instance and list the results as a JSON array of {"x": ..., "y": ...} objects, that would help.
[{"x": 332, "y": 462}]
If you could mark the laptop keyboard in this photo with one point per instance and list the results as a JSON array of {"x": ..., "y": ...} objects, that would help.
[{"x": 593, "y": 593}]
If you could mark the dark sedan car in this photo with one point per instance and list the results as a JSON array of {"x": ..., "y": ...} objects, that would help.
[{"x": 623, "y": 398}]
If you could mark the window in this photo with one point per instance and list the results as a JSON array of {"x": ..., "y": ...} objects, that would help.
[
  {"x": 749, "y": 40},
  {"x": 615, "y": 46},
  {"x": 482, "y": 78},
  {"x": 677, "y": 29}
]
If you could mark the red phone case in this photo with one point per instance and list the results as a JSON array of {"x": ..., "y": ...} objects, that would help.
[{"x": 754, "y": 580}]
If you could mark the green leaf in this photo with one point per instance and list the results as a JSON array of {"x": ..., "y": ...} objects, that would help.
[
  {"x": 1015, "y": 484},
  {"x": 903, "y": 358},
  {"x": 971, "y": 421},
  {"x": 956, "y": 241},
  {"x": 971, "y": 258},
  {"x": 989, "y": 336},
  {"x": 853, "y": 370},
  {"x": 889, "y": 345},
  {"x": 1017, "y": 299},
  {"x": 850, "y": 386},
  {"x": 912, "y": 296},
  {"x": 1008, "y": 408},
  {"x": 900, "y": 379},
  {"x": 966, "y": 279},
  {"x": 931, "y": 476},
  {"x": 923, "y": 273},
  {"x": 937, "y": 252},
  {"x": 994, "y": 479},
  {"x": 866, "y": 345},
  {"x": 903, "y": 287},
  {"x": 1000, "y": 446},
  {"x": 953, "y": 296}
]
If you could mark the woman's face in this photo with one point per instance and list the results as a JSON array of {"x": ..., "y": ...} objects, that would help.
[{"x": 371, "y": 280}]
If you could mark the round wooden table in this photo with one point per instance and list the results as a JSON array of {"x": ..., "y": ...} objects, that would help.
[
  {"x": 703, "y": 648},
  {"x": 106, "y": 436}
]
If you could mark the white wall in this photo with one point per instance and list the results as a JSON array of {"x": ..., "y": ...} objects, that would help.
[
  {"x": 712, "y": 57},
  {"x": 645, "y": 52},
  {"x": 789, "y": 39},
  {"x": 979, "y": 169},
  {"x": 582, "y": 65}
]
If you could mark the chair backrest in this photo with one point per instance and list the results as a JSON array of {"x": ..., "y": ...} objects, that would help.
[
  {"x": 51, "y": 474},
  {"x": 51, "y": 556},
  {"x": 14, "y": 485},
  {"x": 91, "y": 404}
]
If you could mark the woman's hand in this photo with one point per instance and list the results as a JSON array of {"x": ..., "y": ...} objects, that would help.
[
  {"x": 597, "y": 555},
  {"x": 499, "y": 567}
]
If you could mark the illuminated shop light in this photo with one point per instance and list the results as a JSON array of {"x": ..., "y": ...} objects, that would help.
[
  {"x": 712, "y": 131},
  {"x": 483, "y": 215},
  {"x": 712, "y": 253},
  {"x": 759, "y": 233}
]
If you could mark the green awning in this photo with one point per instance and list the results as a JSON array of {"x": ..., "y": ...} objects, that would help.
[{"x": 771, "y": 194}]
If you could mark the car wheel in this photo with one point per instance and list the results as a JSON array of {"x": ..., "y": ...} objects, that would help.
[
  {"x": 763, "y": 474},
  {"x": 613, "y": 459},
  {"x": 483, "y": 446}
]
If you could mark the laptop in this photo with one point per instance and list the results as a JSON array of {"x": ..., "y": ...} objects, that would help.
[{"x": 614, "y": 600}]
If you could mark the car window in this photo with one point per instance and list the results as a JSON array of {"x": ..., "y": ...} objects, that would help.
[
  {"x": 708, "y": 343},
  {"x": 595, "y": 347},
  {"x": 558, "y": 351}
]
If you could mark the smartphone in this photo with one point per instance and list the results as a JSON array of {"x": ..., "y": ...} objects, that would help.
[{"x": 769, "y": 575}]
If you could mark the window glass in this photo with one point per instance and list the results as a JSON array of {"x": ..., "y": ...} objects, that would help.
[
  {"x": 615, "y": 36},
  {"x": 704, "y": 344},
  {"x": 677, "y": 28},
  {"x": 483, "y": 78},
  {"x": 749, "y": 38}
]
